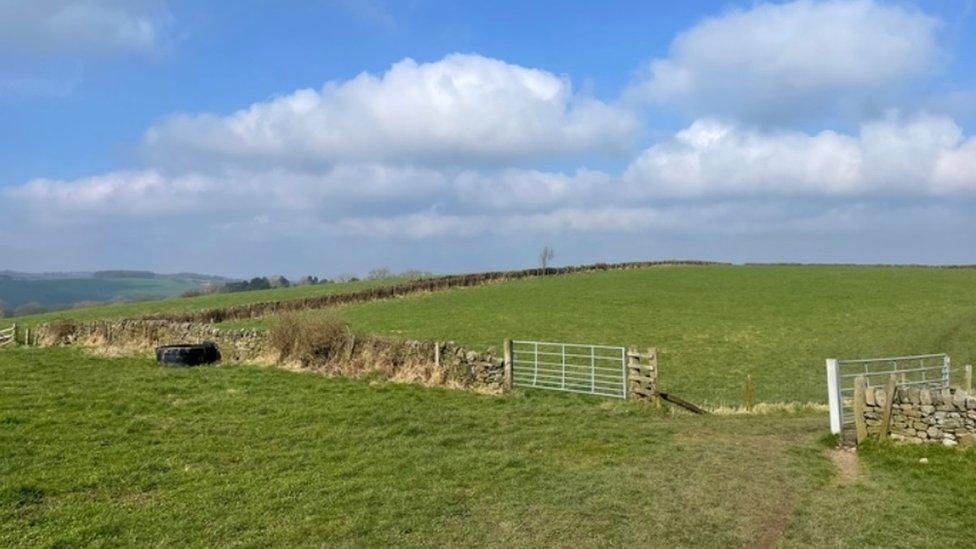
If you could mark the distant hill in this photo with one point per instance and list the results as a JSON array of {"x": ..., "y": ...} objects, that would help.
[{"x": 28, "y": 293}]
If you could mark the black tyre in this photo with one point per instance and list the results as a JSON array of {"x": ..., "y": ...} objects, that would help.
[{"x": 188, "y": 355}]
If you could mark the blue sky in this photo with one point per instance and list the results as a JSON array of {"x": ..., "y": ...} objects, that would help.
[{"x": 466, "y": 135}]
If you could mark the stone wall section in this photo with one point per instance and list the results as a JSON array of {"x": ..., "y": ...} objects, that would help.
[
  {"x": 918, "y": 415},
  {"x": 429, "y": 363}
]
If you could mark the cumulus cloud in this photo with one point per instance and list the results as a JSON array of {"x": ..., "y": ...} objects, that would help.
[
  {"x": 783, "y": 62},
  {"x": 710, "y": 161},
  {"x": 156, "y": 193},
  {"x": 516, "y": 189},
  {"x": 81, "y": 27},
  {"x": 889, "y": 157},
  {"x": 461, "y": 109}
]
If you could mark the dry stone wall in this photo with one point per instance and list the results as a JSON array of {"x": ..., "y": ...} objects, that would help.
[
  {"x": 425, "y": 362},
  {"x": 946, "y": 416},
  {"x": 255, "y": 310}
]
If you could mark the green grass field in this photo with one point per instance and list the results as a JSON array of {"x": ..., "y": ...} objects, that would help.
[
  {"x": 124, "y": 452},
  {"x": 210, "y": 301},
  {"x": 713, "y": 325}
]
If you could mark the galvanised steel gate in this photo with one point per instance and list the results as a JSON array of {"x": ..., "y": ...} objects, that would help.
[
  {"x": 590, "y": 369},
  {"x": 929, "y": 371}
]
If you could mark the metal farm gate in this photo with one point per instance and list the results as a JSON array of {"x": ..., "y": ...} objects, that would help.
[
  {"x": 929, "y": 371},
  {"x": 575, "y": 368}
]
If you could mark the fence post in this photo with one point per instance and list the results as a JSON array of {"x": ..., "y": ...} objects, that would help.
[
  {"x": 968, "y": 382},
  {"x": 14, "y": 335},
  {"x": 437, "y": 354},
  {"x": 833, "y": 396},
  {"x": 889, "y": 402},
  {"x": 860, "y": 387},
  {"x": 652, "y": 364},
  {"x": 508, "y": 364},
  {"x": 946, "y": 361},
  {"x": 747, "y": 393},
  {"x": 633, "y": 364}
]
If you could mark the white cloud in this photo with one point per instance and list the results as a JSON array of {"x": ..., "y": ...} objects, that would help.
[
  {"x": 155, "y": 193},
  {"x": 461, "y": 109},
  {"x": 777, "y": 62},
  {"x": 81, "y": 27},
  {"x": 889, "y": 157},
  {"x": 531, "y": 189}
]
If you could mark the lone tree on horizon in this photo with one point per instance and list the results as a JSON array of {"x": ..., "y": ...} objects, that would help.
[{"x": 545, "y": 256}]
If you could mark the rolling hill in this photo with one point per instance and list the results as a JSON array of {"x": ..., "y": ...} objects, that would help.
[{"x": 28, "y": 291}]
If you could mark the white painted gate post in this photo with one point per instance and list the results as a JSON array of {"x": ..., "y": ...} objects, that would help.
[{"x": 833, "y": 395}]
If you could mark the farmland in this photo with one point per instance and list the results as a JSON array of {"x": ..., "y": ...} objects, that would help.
[
  {"x": 121, "y": 451},
  {"x": 713, "y": 325}
]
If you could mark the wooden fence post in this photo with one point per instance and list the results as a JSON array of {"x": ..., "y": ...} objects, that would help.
[
  {"x": 655, "y": 382},
  {"x": 860, "y": 388},
  {"x": 889, "y": 402},
  {"x": 14, "y": 336},
  {"x": 747, "y": 393},
  {"x": 969, "y": 379},
  {"x": 508, "y": 364},
  {"x": 633, "y": 372},
  {"x": 437, "y": 354}
]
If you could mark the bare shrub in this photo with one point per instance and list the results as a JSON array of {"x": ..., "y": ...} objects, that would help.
[
  {"x": 309, "y": 340},
  {"x": 62, "y": 329}
]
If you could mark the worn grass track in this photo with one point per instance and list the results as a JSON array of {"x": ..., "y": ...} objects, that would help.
[{"x": 123, "y": 452}]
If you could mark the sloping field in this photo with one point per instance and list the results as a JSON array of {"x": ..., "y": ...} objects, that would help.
[
  {"x": 713, "y": 325},
  {"x": 123, "y": 452}
]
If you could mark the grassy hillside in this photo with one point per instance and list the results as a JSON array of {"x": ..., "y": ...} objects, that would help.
[
  {"x": 123, "y": 452},
  {"x": 65, "y": 292},
  {"x": 713, "y": 325},
  {"x": 176, "y": 304}
]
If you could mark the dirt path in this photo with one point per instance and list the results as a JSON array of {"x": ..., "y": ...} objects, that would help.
[
  {"x": 773, "y": 529},
  {"x": 848, "y": 466},
  {"x": 848, "y": 471}
]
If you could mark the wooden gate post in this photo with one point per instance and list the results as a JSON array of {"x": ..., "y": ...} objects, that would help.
[
  {"x": 748, "y": 393},
  {"x": 652, "y": 366},
  {"x": 633, "y": 373},
  {"x": 886, "y": 413},
  {"x": 642, "y": 378},
  {"x": 861, "y": 426}
]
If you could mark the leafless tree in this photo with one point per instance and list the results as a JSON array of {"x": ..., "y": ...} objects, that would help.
[{"x": 545, "y": 257}]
